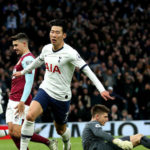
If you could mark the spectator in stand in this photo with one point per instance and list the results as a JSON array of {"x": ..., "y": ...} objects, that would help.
[
  {"x": 116, "y": 38},
  {"x": 73, "y": 113},
  {"x": 81, "y": 112},
  {"x": 134, "y": 108},
  {"x": 115, "y": 114},
  {"x": 119, "y": 100},
  {"x": 125, "y": 116}
]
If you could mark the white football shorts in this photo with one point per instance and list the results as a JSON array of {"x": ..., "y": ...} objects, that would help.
[{"x": 10, "y": 113}]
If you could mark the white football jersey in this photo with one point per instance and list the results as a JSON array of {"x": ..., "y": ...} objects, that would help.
[{"x": 60, "y": 66}]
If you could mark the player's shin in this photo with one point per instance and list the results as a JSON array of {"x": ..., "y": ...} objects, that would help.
[
  {"x": 26, "y": 134},
  {"x": 66, "y": 139}
]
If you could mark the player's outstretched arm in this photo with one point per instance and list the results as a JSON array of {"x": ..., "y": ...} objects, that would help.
[
  {"x": 125, "y": 145},
  {"x": 105, "y": 94}
]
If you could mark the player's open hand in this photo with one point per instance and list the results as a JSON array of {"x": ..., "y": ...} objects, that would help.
[
  {"x": 20, "y": 108},
  {"x": 106, "y": 96},
  {"x": 17, "y": 74}
]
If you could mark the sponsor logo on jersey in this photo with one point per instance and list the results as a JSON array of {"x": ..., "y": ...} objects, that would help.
[{"x": 52, "y": 68}]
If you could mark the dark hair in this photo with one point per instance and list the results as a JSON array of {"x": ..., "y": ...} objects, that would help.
[
  {"x": 59, "y": 22},
  {"x": 97, "y": 109},
  {"x": 20, "y": 36}
]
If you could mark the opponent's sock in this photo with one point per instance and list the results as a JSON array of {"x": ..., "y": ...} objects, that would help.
[
  {"x": 40, "y": 139},
  {"x": 26, "y": 134},
  {"x": 3, "y": 133},
  {"x": 17, "y": 142},
  {"x": 145, "y": 141},
  {"x": 67, "y": 134}
]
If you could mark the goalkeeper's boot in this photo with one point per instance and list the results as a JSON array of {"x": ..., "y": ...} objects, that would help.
[
  {"x": 53, "y": 145},
  {"x": 66, "y": 145},
  {"x": 145, "y": 141}
]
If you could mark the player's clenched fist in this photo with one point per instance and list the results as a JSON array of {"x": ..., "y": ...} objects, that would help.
[{"x": 125, "y": 145}]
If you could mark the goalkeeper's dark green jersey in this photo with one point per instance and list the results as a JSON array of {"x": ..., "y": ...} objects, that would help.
[{"x": 93, "y": 137}]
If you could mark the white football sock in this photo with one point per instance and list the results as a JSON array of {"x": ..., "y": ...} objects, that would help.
[
  {"x": 67, "y": 134},
  {"x": 26, "y": 134},
  {"x": 3, "y": 133}
]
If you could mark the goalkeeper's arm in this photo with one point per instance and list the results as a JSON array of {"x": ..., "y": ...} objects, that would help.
[{"x": 125, "y": 145}]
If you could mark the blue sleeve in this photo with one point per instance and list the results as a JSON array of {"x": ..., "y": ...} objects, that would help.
[{"x": 29, "y": 78}]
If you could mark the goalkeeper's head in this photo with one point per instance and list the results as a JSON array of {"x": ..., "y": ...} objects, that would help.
[{"x": 100, "y": 113}]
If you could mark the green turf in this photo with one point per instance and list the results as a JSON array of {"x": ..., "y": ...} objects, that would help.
[{"x": 76, "y": 145}]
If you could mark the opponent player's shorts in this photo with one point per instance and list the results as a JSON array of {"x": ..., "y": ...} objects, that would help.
[
  {"x": 60, "y": 109},
  {"x": 10, "y": 113}
]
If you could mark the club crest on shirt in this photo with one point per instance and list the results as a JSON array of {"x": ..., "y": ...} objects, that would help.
[
  {"x": 97, "y": 125},
  {"x": 59, "y": 59}
]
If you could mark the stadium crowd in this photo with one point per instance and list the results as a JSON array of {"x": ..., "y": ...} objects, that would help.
[{"x": 113, "y": 36}]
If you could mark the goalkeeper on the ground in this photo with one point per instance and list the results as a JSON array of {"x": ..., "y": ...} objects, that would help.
[{"x": 94, "y": 138}]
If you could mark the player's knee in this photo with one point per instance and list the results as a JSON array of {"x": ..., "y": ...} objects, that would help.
[
  {"x": 16, "y": 134},
  {"x": 30, "y": 117},
  {"x": 60, "y": 131},
  {"x": 140, "y": 135},
  {"x": 135, "y": 139}
]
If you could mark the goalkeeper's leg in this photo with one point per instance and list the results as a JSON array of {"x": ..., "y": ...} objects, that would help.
[{"x": 139, "y": 139}]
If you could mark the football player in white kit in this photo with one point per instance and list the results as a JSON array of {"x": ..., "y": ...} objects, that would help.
[{"x": 60, "y": 61}]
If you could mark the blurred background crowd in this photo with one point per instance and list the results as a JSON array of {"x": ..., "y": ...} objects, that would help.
[{"x": 112, "y": 36}]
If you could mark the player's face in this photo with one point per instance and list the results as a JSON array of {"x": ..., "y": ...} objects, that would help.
[
  {"x": 102, "y": 118},
  {"x": 18, "y": 47},
  {"x": 57, "y": 36}
]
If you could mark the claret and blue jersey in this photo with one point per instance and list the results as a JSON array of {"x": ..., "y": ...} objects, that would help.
[{"x": 21, "y": 86}]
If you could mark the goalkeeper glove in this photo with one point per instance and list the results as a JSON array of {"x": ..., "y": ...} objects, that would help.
[{"x": 125, "y": 145}]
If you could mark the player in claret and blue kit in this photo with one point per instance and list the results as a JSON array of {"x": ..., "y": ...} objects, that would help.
[{"x": 20, "y": 94}]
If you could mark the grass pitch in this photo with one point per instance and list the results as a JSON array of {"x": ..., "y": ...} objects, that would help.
[{"x": 76, "y": 145}]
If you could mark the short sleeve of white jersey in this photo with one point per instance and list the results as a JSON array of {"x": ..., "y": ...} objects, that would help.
[{"x": 77, "y": 60}]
